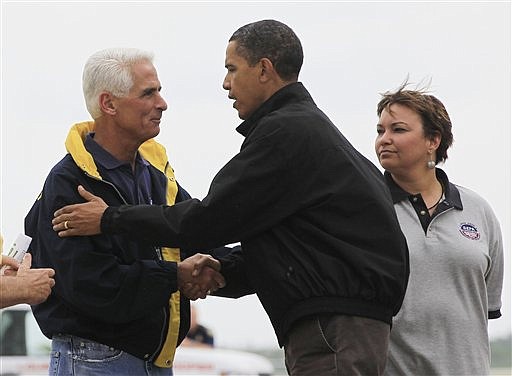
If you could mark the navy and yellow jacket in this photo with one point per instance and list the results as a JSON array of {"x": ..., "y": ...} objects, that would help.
[
  {"x": 316, "y": 222},
  {"x": 112, "y": 290}
]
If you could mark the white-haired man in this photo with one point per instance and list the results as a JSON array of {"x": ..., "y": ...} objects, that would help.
[{"x": 116, "y": 308}]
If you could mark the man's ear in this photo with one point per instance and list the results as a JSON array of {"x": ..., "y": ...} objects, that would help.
[
  {"x": 107, "y": 105},
  {"x": 267, "y": 70}
]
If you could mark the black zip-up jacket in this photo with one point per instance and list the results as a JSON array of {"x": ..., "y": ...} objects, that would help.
[
  {"x": 315, "y": 219},
  {"x": 108, "y": 288}
]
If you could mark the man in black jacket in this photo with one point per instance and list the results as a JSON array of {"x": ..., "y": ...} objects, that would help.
[{"x": 321, "y": 245}]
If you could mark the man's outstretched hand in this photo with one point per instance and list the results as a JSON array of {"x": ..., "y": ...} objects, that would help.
[{"x": 80, "y": 219}]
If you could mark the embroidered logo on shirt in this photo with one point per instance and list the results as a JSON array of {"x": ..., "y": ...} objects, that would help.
[{"x": 469, "y": 230}]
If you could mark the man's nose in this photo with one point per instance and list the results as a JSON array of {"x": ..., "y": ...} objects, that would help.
[
  {"x": 162, "y": 104},
  {"x": 226, "y": 85}
]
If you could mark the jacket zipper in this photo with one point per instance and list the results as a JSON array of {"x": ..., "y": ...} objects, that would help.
[
  {"x": 163, "y": 333},
  {"x": 158, "y": 252}
]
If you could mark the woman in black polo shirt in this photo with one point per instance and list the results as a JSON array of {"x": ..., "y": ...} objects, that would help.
[{"x": 455, "y": 245}]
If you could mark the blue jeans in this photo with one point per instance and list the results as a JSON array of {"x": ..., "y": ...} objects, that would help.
[{"x": 76, "y": 356}]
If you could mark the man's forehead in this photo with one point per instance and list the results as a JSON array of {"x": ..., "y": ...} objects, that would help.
[{"x": 232, "y": 55}]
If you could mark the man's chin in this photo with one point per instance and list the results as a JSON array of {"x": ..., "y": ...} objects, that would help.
[
  {"x": 242, "y": 115},
  {"x": 156, "y": 132}
]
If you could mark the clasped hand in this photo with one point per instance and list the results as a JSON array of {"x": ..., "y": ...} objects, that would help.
[{"x": 199, "y": 275}]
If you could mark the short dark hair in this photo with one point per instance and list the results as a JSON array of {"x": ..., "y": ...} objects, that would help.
[
  {"x": 431, "y": 110},
  {"x": 272, "y": 40}
]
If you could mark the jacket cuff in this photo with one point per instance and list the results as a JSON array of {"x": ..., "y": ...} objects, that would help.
[
  {"x": 107, "y": 220},
  {"x": 172, "y": 270}
]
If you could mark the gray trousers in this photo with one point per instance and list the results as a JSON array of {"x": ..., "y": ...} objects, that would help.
[{"x": 333, "y": 344}]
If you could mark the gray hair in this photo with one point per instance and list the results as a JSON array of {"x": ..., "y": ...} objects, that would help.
[{"x": 110, "y": 70}]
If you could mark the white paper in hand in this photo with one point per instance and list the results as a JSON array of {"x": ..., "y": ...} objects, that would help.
[{"x": 19, "y": 247}]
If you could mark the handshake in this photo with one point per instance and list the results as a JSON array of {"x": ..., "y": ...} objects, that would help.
[{"x": 199, "y": 275}]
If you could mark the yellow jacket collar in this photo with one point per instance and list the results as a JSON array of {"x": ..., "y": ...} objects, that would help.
[{"x": 150, "y": 150}]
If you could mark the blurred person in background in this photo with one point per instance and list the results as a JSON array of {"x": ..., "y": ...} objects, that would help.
[{"x": 198, "y": 335}]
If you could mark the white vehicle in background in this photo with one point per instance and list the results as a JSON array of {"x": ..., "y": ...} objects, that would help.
[{"x": 24, "y": 350}]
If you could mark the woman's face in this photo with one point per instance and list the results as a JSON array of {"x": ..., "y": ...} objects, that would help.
[{"x": 401, "y": 145}]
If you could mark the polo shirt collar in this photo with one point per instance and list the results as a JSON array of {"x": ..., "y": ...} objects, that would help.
[
  {"x": 451, "y": 193},
  {"x": 104, "y": 158}
]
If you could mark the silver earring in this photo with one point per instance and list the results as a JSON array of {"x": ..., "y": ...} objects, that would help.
[{"x": 431, "y": 164}]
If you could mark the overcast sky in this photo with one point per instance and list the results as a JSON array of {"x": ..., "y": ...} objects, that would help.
[{"x": 353, "y": 51}]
